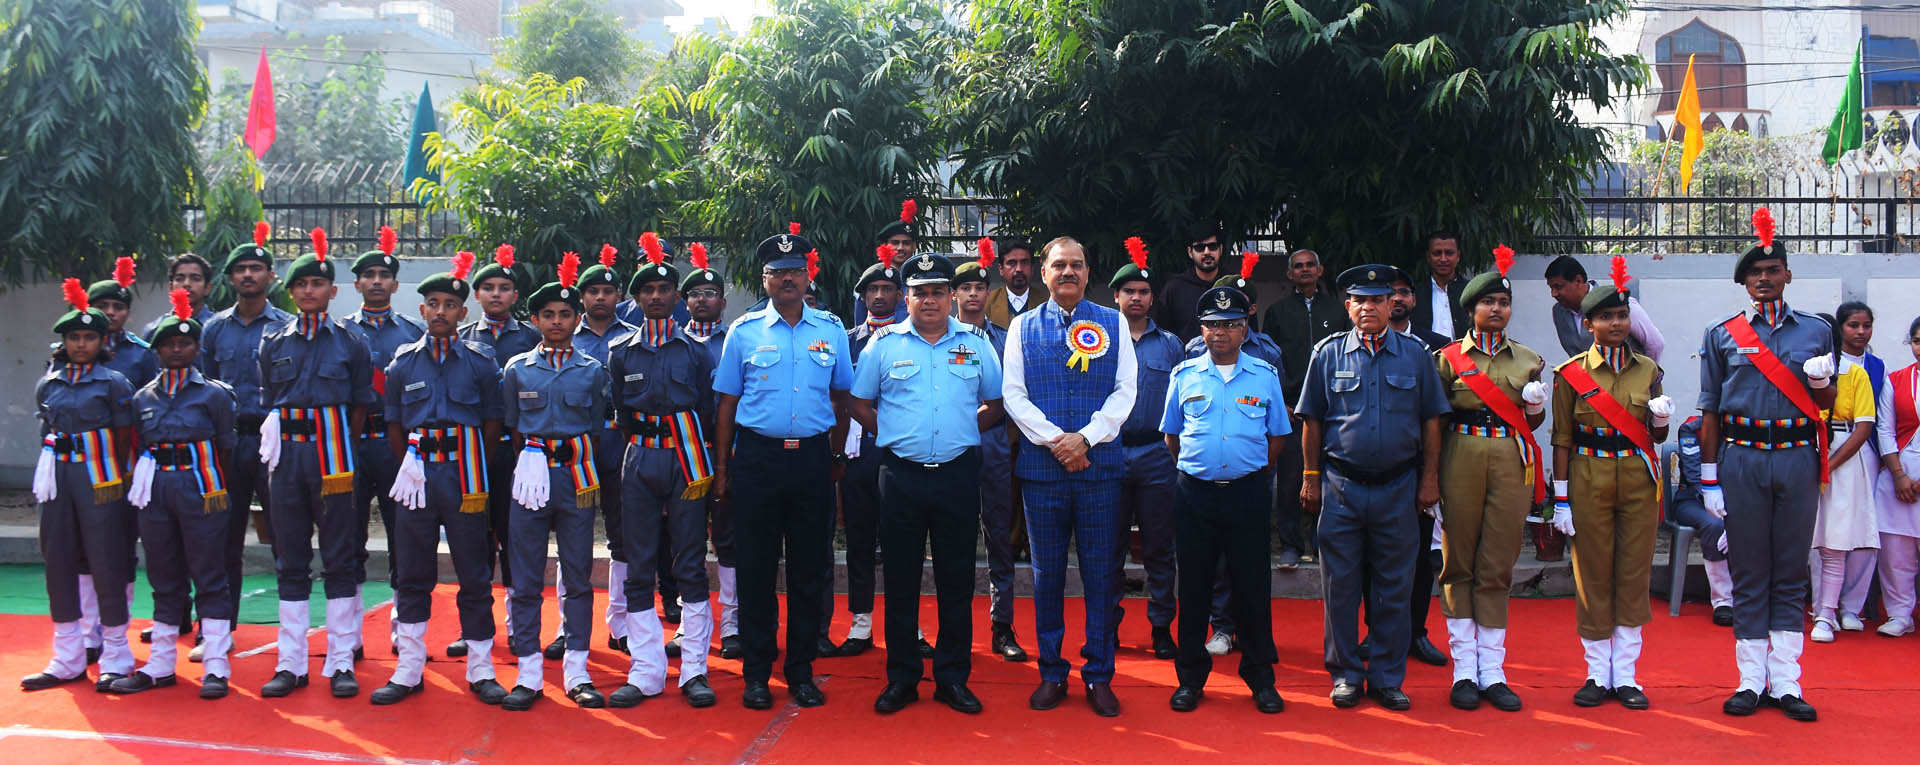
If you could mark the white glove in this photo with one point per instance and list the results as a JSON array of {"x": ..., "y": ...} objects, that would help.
[
  {"x": 1661, "y": 407},
  {"x": 270, "y": 440},
  {"x": 531, "y": 481},
  {"x": 45, "y": 487},
  {"x": 410, "y": 484},
  {"x": 1433, "y": 511},
  {"x": 1710, "y": 495},
  {"x": 1535, "y": 395},
  {"x": 140, "y": 492},
  {"x": 1723, "y": 542},
  {"x": 1562, "y": 510},
  {"x": 1819, "y": 370}
]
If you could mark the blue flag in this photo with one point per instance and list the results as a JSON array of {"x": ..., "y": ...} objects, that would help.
[{"x": 423, "y": 123}]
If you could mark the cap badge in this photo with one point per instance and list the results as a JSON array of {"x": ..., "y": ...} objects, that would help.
[
  {"x": 1372, "y": 275},
  {"x": 1222, "y": 300},
  {"x": 786, "y": 245},
  {"x": 926, "y": 262},
  {"x": 564, "y": 293},
  {"x": 662, "y": 270},
  {"x": 86, "y": 318}
]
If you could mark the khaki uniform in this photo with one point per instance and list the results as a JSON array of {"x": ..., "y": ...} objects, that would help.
[
  {"x": 1485, "y": 490},
  {"x": 1616, "y": 508}
]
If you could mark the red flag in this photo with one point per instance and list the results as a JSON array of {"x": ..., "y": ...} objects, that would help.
[{"x": 259, "y": 135}]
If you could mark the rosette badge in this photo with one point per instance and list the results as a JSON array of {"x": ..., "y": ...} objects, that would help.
[{"x": 1087, "y": 341}]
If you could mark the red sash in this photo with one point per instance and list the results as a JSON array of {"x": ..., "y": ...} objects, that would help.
[
  {"x": 1782, "y": 378},
  {"x": 1616, "y": 415},
  {"x": 1905, "y": 421},
  {"x": 1509, "y": 412}
]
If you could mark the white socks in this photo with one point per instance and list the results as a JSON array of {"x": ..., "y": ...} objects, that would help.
[
  {"x": 89, "y": 611},
  {"x": 573, "y": 668},
  {"x": 729, "y": 602},
  {"x": 479, "y": 660},
  {"x": 1492, "y": 655},
  {"x": 166, "y": 651},
  {"x": 1751, "y": 656},
  {"x": 1599, "y": 661},
  {"x": 862, "y": 627},
  {"x": 532, "y": 670},
  {"x": 696, "y": 634},
  {"x": 1626, "y": 654},
  {"x": 343, "y": 634},
  {"x": 1719, "y": 583},
  {"x": 1783, "y": 662},
  {"x": 648, "y": 670},
  {"x": 217, "y": 642},
  {"x": 69, "y": 651},
  {"x": 617, "y": 600},
  {"x": 410, "y": 640},
  {"x": 1462, "y": 642},
  {"x": 115, "y": 655},
  {"x": 293, "y": 637}
]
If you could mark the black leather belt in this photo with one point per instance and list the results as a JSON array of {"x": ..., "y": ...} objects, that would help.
[
  {"x": 63, "y": 445},
  {"x": 1130, "y": 440},
  {"x": 1767, "y": 434},
  {"x": 560, "y": 451},
  {"x": 248, "y": 424},
  {"x": 638, "y": 424},
  {"x": 1607, "y": 443},
  {"x": 1484, "y": 418},
  {"x": 376, "y": 426},
  {"x": 171, "y": 454},
  {"x": 297, "y": 427},
  {"x": 441, "y": 445},
  {"x": 1370, "y": 476}
]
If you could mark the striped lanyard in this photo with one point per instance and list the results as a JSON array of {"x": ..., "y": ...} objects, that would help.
[
  {"x": 470, "y": 455},
  {"x": 329, "y": 435}
]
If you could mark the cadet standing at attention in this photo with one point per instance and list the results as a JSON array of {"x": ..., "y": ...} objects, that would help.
[
  {"x": 879, "y": 291},
  {"x": 376, "y": 274},
  {"x": 1147, "y": 487},
  {"x": 129, "y": 355},
  {"x": 600, "y": 328},
  {"x": 705, "y": 293}
]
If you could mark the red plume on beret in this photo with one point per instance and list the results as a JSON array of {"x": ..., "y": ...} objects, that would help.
[
  {"x": 123, "y": 271},
  {"x": 319, "y": 236},
  {"x": 813, "y": 264},
  {"x": 650, "y": 243},
  {"x": 697, "y": 255},
  {"x": 260, "y": 233},
  {"x": 76, "y": 293},
  {"x": 1248, "y": 260},
  {"x": 1503, "y": 258},
  {"x": 569, "y": 269},
  {"x": 462, "y": 264},
  {"x": 907, "y": 210},
  {"x": 182, "y": 304},
  {"x": 885, "y": 254},
  {"x": 389, "y": 239},
  {"x": 1137, "y": 250},
  {"x": 1620, "y": 273},
  {"x": 1763, "y": 227},
  {"x": 608, "y": 255},
  {"x": 503, "y": 255},
  {"x": 986, "y": 251},
  {"x": 793, "y": 228}
]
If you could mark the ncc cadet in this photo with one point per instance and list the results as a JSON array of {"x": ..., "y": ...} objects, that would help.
[
  {"x": 925, "y": 387},
  {"x": 496, "y": 286},
  {"x": 783, "y": 380},
  {"x": 129, "y": 355},
  {"x": 318, "y": 383},
  {"x": 879, "y": 291},
  {"x": 555, "y": 399},
  {"x": 1225, "y": 421},
  {"x": 705, "y": 293},
  {"x": 1371, "y": 408},
  {"x": 230, "y": 344},
  {"x": 629, "y": 308},
  {"x": 970, "y": 294},
  {"x": 185, "y": 422},
  {"x": 1608, "y": 413},
  {"x": 376, "y": 274},
  {"x": 80, "y": 483},
  {"x": 600, "y": 328},
  {"x": 443, "y": 412},
  {"x": 1491, "y": 474},
  {"x": 1147, "y": 486},
  {"x": 187, "y": 271},
  {"x": 661, "y": 383},
  {"x": 1765, "y": 374}
]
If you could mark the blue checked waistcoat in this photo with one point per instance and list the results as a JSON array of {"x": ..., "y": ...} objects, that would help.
[{"x": 1069, "y": 397}]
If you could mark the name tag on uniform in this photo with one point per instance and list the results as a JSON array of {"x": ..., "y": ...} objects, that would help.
[
  {"x": 283, "y": 361},
  {"x": 1746, "y": 351},
  {"x": 148, "y": 414},
  {"x": 635, "y": 377},
  {"x": 766, "y": 348},
  {"x": 416, "y": 386},
  {"x": 529, "y": 394},
  {"x": 1344, "y": 373},
  {"x": 903, "y": 363},
  {"x": 1470, "y": 373},
  {"x": 1193, "y": 398}
]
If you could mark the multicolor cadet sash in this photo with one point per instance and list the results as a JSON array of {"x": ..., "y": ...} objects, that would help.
[
  {"x": 689, "y": 443},
  {"x": 329, "y": 437},
  {"x": 206, "y": 470},
  {"x": 1777, "y": 373},
  {"x": 95, "y": 449},
  {"x": 1497, "y": 401},
  {"x": 586, "y": 480},
  {"x": 471, "y": 456},
  {"x": 1616, "y": 415}
]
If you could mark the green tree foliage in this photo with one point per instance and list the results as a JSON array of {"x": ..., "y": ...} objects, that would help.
[
  {"x": 821, "y": 116},
  {"x": 1355, "y": 127},
  {"x": 96, "y": 151},
  {"x": 540, "y": 166},
  {"x": 327, "y": 109},
  {"x": 574, "y": 38}
]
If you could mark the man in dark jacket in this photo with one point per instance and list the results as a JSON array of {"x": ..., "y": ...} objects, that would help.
[{"x": 1177, "y": 306}]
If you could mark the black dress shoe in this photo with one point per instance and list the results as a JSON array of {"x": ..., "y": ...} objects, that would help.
[
  {"x": 618, "y": 644},
  {"x": 146, "y": 636},
  {"x": 1345, "y": 695},
  {"x": 926, "y": 648},
  {"x": 489, "y": 691},
  {"x": 853, "y": 647},
  {"x": 626, "y": 697},
  {"x": 344, "y": 686},
  {"x": 1424, "y": 651},
  {"x": 1100, "y": 697},
  {"x": 672, "y": 647},
  {"x": 105, "y": 681},
  {"x": 698, "y": 694},
  {"x": 1391, "y": 698},
  {"x": 44, "y": 680},
  {"x": 1741, "y": 704},
  {"x": 1185, "y": 698},
  {"x": 1006, "y": 644},
  {"x": 139, "y": 681},
  {"x": 520, "y": 700},
  {"x": 1723, "y": 616},
  {"x": 457, "y": 649},
  {"x": 93, "y": 656},
  {"x": 557, "y": 649},
  {"x": 585, "y": 696},
  {"x": 730, "y": 647},
  {"x": 1047, "y": 696},
  {"x": 393, "y": 693},
  {"x": 359, "y": 653},
  {"x": 1797, "y": 708},
  {"x": 757, "y": 695},
  {"x": 282, "y": 683},
  {"x": 1268, "y": 701},
  {"x": 957, "y": 697},
  {"x": 1592, "y": 695},
  {"x": 807, "y": 694},
  {"x": 670, "y": 611},
  {"x": 1465, "y": 695},
  {"x": 1163, "y": 645},
  {"x": 1502, "y": 697},
  {"x": 895, "y": 697},
  {"x": 213, "y": 687},
  {"x": 1631, "y": 697}
]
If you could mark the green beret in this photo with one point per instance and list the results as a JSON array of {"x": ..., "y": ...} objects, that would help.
[
  {"x": 553, "y": 291},
  {"x": 969, "y": 272},
  {"x": 703, "y": 277},
  {"x": 1489, "y": 283},
  {"x": 600, "y": 275},
  {"x": 497, "y": 271},
  {"x": 1603, "y": 297},
  {"x": 108, "y": 289},
  {"x": 445, "y": 282},
  {"x": 91, "y": 318},
  {"x": 1127, "y": 273},
  {"x": 175, "y": 326},
  {"x": 1234, "y": 281},
  {"x": 648, "y": 273},
  {"x": 893, "y": 229},
  {"x": 373, "y": 258},
  {"x": 310, "y": 264},
  {"x": 1754, "y": 255},
  {"x": 246, "y": 252},
  {"x": 878, "y": 272}
]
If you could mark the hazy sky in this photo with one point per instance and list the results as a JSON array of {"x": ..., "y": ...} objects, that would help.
[{"x": 736, "y": 12}]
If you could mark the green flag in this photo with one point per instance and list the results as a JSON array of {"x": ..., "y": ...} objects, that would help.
[
  {"x": 423, "y": 123},
  {"x": 1848, "y": 130}
]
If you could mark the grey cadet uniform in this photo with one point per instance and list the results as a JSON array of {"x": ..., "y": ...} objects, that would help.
[
  {"x": 508, "y": 339},
  {"x": 1147, "y": 487},
  {"x": 75, "y": 530},
  {"x": 184, "y": 538},
  {"x": 652, "y": 383},
  {"x": 230, "y": 353}
]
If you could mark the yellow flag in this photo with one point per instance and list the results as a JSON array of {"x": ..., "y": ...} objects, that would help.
[{"x": 1687, "y": 115}]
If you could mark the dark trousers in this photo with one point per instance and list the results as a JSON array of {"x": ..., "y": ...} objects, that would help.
[
  {"x": 1290, "y": 521},
  {"x": 1419, "y": 593},
  {"x": 1771, "y": 507},
  {"x": 651, "y": 488},
  {"x": 996, "y": 521},
  {"x": 246, "y": 481},
  {"x": 414, "y": 545},
  {"x": 296, "y": 510},
  {"x": 720, "y": 515},
  {"x": 373, "y": 472},
  {"x": 609, "y": 456},
  {"x": 938, "y": 502},
  {"x": 501, "y": 458},
  {"x": 1692, "y": 511},
  {"x": 1226, "y": 520},
  {"x": 185, "y": 544},
  {"x": 571, "y": 527},
  {"x": 666, "y": 575},
  {"x": 1367, "y": 533},
  {"x": 782, "y": 502},
  {"x": 75, "y": 530},
  {"x": 1147, "y": 499},
  {"x": 860, "y": 505}
]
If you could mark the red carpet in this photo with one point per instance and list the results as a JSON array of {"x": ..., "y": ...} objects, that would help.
[{"x": 1863, "y": 684}]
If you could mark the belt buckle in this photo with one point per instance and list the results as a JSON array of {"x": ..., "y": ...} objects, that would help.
[
  {"x": 929, "y": 465},
  {"x": 790, "y": 444}
]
